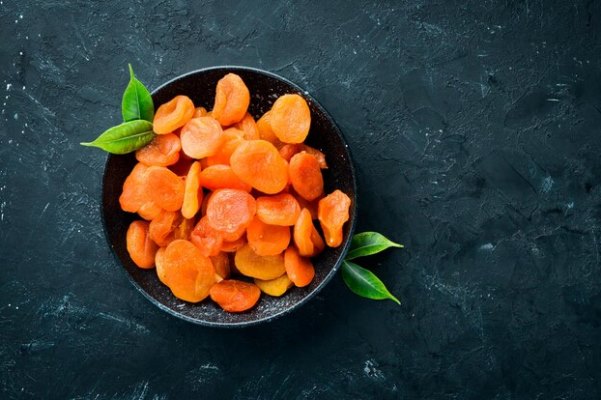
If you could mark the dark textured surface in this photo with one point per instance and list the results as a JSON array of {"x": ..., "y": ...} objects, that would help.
[
  {"x": 474, "y": 127},
  {"x": 323, "y": 135}
]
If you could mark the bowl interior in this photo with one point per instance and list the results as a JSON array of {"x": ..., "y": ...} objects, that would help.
[{"x": 324, "y": 135}]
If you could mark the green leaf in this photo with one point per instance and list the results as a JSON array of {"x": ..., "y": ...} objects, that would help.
[
  {"x": 364, "y": 283},
  {"x": 137, "y": 102},
  {"x": 124, "y": 138},
  {"x": 368, "y": 243}
]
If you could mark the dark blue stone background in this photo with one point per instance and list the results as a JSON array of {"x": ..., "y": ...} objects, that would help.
[{"x": 475, "y": 129}]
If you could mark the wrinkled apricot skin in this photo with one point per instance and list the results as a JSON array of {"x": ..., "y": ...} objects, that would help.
[
  {"x": 141, "y": 249},
  {"x": 299, "y": 269},
  {"x": 250, "y": 264},
  {"x": 162, "y": 151},
  {"x": 200, "y": 112},
  {"x": 229, "y": 210},
  {"x": 201, "y": 137},
  {"x": 249, "y": 127},
  {"x": 231, "y": 100},
  {"x": 281, "y": 209},
  {"x": 207, "y": 239},
  {"x": 333, "y": 212},
  {"x": 275, "y": 287},
  {"x": 235, "y": 296},
  {"x": 305, "y": 176},
  {"x": 162, "y": 227},
  {"x": 290, "y": 118},
  {"x": 186, "y": 271},
  {"x": 165, "y": 188},
  {"x": 173, "y": 114},
  {"x": 259, "y": 164}
]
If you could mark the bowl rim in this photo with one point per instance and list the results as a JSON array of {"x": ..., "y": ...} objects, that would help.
[{"x": 327, "y": 278}]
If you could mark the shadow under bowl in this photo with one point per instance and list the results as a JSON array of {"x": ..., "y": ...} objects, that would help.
[{"x": 324, "y": 135}]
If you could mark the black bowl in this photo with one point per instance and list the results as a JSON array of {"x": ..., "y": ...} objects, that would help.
[{"x": 264, "y": 87}]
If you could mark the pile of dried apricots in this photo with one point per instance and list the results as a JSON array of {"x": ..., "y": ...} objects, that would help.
[{"x": 221, "y": 194}]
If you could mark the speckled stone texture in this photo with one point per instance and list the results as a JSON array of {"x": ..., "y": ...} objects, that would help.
[{"x": 475, "y": 130}]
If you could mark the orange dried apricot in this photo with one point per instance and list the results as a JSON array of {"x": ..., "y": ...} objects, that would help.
[
  {"x": 184, "y": 229},
  {"x": 207, "y": 239},
  {"x": 231, "y": 100},
  {"x": 192, "y": 192},
  {"x": 141, "y": 249},
  {"x": 229, "y": 210},
  {"x": 162, "y": 151},
  {"x": 275, "y": 287},
  {"x": 200, "y": 112},
  {"x": 305, "y": 234},
  {"x": 267, "y": 240},
  {"x": 149, "y": 210},
  {"x": 305, "y": 176},
  {"x": 162, "y": 227},
  {"x": 258, "y": 163},
  {"x": 186, "y": 271},
  {"x": 333, "y": 212},
  {"x": 173, "y": 114},
  {"x": 235, "y": 296},
  {"x": 165, "y": 188},
  {"x": 221, "y": 262},
  {"x": 227, "y": 148},
  {"x": 288, "y": 150},
  {"x": 133, "y": 195},
  {"x": 280, "y": 209},
  {"x": 249, "y": 127},
  {"x": 299, "y": 269},
  {"x": 201, "y": 137},
  {"x": 251, "y": 264},
  {"x": 231, "y": 246},
  {"x": 290, "y": 118},
  {"x": 222, "y": 177}
]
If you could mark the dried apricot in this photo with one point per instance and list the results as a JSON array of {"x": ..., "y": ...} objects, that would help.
[
  {"x": 225, "y": 151},
  {"x": 280, "y": 209},
  {"x": 184, "y": 229},
  {"x": 299, "y": 269},
  {"x": 253, "y": 265},
  {"x": 200, "y": 112},
  {"x": 267, "y": 240},
  {"x": 305, "y": 176},
  {"x": 265, "y": 131},
  {"x": 231, "y": 100},
  {"x": 258, "y": 163},
  {"x": 162, "y": 227},
  {"x": 134, "y": 195},
  {"x": 229, "y": 210},
  {"x": 221, "y": 262},
  {"x": 231, "y": 246},
  {"x": 186, "y": 271},
  {"x": 288, "y": 150},
  {"x": 207, "y": 239},
  {"x": 201, "y": 137},
  {"x": 222, "y": 177},
  {"x": 192, "y": 192},
  {"x": 173, "y": 114},
  {"x": 149, "y": 210},
  {"x": 162, "y": 151},
  {"x": 275, "y": 287},
  {"x": 139, "y": 246},
  {"x": 290, "y": 118},
  {"x": 304, "y": 235},
  {"x": 235, "y": 296},
  {"x": 249, "y": 127},
  {"x": 165, "y": 188},
  {"x": 333, "y": 212}
]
